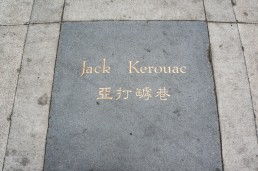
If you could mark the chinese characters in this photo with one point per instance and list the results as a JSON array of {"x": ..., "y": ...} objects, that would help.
[{"x": 144, "y": 93}]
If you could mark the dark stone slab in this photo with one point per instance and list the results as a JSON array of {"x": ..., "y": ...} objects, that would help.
[{"x": 90, "y": 134}]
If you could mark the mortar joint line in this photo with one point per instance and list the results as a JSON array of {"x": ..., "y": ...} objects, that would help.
[
  {"x": 209, "y": 53},
  {"x": 247, "y": 75},
  {"x": 249, "y": 85},
  {"x": 49, "y": 109},
  {"x": 56, "y": 22},
  {"x": 16, "y": 88}
]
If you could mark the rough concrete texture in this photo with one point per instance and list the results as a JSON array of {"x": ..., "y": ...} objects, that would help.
[
  {"x": 89, "y": 134},
  {"x": 246, "y": 10},
  {"x": 219, "y": 10},
  {"x": 45, "y": 11},
  {"x": 249, "y": 37},
  {"x": 26, "y": 144},
  {"x": 133, "y": 10},
  {"x": 238, "y": 127},
  {"x": 14, "y": 12},
  {"x": 11, "y": 49},
  {"x": 239, "y": 141}
]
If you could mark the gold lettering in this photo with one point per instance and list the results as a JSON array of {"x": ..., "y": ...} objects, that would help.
[
  {"x": 95, "y": 69},
  {"x": 181, "y": 69},
  {"x": 104, "y": 93},
  {"x": 89, "y": 70},
  {"x": 83, "y": 68},
  {"x": 165, "y": 70},
  {"x": 106, "y": 69},
  {"x": 162, "y": 93},
  {"x": 143, "y": 69},
  {"x": 175, "y": 70},
  {"x": 132, "y": 67},
  {"x": 150, "y": 71},
  {"x": 155, "y": 70}
]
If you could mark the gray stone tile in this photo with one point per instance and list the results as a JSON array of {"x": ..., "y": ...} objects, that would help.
[
  {"x": 249, "y": 37},
  {"x": 78, "y": 10},
  {"x": 11, "y": 49},
  {"x": 239, "y": 141},
  {"x": 219, "y": 10},
  {"x": 246, "y": 11},
  {"x": 47, "y": 11},
  {"x": 87, "y": 133},
  {"x": 26, "y": 144},
  {"x": 15, "y": 12}
]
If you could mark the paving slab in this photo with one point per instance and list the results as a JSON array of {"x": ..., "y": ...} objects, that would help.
[
  {"x": 15, "y": 12},
  {"x": 246, "y": 11},
  {"x": 45, "y": 11},
  {"x": 129, "y": 126},
  {"x": 239, "y": 141},
  {"x": 11, "y": 50},
  {"x": 219, "y": 10},
  {"x": 79, "y": 10},
  {"x": 249, "y": 37},
  {"x": 26, "y": 143}
]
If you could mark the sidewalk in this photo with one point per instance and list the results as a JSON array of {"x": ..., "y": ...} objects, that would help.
[{"x": 30, "y": 30}]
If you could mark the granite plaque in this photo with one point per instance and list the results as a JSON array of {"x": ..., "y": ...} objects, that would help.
[{"x": 133, "y": 96}]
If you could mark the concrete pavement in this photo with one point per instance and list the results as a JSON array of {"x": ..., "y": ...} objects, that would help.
[{"x": 29, "y": 31}]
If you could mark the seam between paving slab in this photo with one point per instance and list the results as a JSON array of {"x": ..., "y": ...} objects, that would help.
[
  {"x": 249, "y": 85},
  {"x": 233, "y": 2},
  {"x": 10, "y": 117},
  {"x": 214, "y": 87},
  {"x": 251, "y": 95},
  {"x": 216, "y": 99},
  {"x": 14, "y": 97},
  {"x": 227, "y": 22},
  {"x": 50, "y": 103},
  {"x": 27, "y": 24}
]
